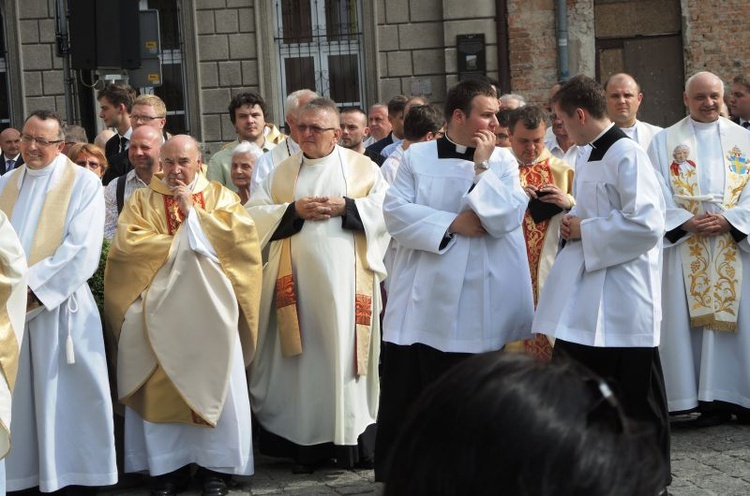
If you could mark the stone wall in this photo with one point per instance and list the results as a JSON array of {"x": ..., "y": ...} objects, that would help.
[
  {"x": 227, "y": 61},
  {"x": 41, "y": 68},
  {"x": 417, "y": 44}
]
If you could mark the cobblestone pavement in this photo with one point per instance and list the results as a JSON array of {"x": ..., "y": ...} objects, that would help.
[{"x": 705, "y": 462}]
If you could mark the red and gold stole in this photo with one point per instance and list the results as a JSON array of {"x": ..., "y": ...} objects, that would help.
[{"x": 359, "y": 182}]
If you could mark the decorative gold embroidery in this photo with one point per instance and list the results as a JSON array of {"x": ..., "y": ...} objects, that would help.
[
  {"x": 712, "y": 280},
  {"x": 363, "y": 312},
  {"x": 173, "y": 212},
  {"x": 285, "y": 294}
]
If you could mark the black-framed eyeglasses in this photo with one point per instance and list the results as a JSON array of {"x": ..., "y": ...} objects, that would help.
[
  {"x": 143, "y": 118},
  {"x": 40, "y": 142},
  {"x": 303, "y": 128}
]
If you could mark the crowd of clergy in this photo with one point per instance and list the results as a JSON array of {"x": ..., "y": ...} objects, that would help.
[{"x": 297, "y": 293}]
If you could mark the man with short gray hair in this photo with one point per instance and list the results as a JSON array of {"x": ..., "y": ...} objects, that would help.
[{"x": 320, "y": 215}]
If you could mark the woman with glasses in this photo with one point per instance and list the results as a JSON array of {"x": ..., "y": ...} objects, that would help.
[{"x": 89, "y": 156}]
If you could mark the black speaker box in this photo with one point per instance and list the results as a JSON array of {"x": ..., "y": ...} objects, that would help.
[{"x": 104, "y": 33}]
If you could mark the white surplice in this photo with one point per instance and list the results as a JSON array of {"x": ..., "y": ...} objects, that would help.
[
  {"x": 604, "y": 289},
  {"x": 699, "y": 363},
  {"x": 474, "y": 294},
  {"x": 642, "y": 133},
  {"x": 316, "y": 397},
  {"x": 62, "y": 429}
]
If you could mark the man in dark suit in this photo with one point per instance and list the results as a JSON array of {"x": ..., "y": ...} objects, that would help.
[
  {"x": 739, "y": 102},
  {"x": 115, "y": 104},
  {"x": 10, "y": 143},
  {"x": 396, "y": 117}
]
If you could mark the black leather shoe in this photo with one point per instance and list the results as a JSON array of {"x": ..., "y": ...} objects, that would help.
[
  {"x": 167, "y": 485},
  {"x": 214, "y": 485},
  {"x": 712, "y": 418}
]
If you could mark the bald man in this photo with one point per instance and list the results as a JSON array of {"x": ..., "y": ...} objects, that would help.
[
  {"x": 703, "y": 161},
  {"x": 10, "y": 144},
  {"x": 181, "y": 368},
  {"x": 624, "y": 98}
]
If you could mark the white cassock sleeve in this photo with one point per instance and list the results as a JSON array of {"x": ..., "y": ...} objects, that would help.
[
  {"x": 635, "y": 225},
  {"x": 498, "y": 198},
  {"x": 55, "y": 278},
  {"x": 413, "y": 225}
]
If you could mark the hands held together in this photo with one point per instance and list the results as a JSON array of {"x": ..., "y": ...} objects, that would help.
[{"x": 319, "y": 207}]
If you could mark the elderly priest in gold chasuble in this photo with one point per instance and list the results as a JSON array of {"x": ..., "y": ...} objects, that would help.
[
  {"x": 12, "y": 310},
  {"x": 182, "y": 290}
]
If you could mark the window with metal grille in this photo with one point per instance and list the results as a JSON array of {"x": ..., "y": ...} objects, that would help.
[{"x": 320, "y": 47}]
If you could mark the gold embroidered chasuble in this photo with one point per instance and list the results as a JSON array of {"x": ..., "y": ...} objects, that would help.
[
  {"x": 542, "y": 238},
  {"x": 12, "y": 310},
  {"x": 712, "y": 274},
  {"x": 359, "y": 182},
  {"x": 185, "y": 312}
]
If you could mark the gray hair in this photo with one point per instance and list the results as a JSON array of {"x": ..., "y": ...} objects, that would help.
[
  {"x": 247, "y": 148},
  {"x": 509, "y": 97},
  {"x": 292, "y": 101}
]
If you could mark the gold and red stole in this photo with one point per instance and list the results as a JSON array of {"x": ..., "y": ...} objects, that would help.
[
  {"x": 541, "y": 238},
  {"x": 713, "y": 277},
  {"x": 546, "y": 170},
  {"x": 359, "y": 182}
]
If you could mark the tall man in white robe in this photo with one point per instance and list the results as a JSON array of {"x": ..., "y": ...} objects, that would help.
[
  {"x": 63, "y": 431},
  {"x": 703, "y": 160},
  {"x": 13, "y": 291},
  {"x": 314, "y": 385},
  {"x": 624, "y": 98},
  {"x": 182, "y": 294},
  {"x": 602, "y": 298},
  {"x": 462, "y": 282}
]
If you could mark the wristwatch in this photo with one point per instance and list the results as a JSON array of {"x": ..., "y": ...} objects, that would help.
[{"x": 483, "y": 165}]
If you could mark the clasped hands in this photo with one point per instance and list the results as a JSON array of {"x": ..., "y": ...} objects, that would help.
[
  {"x": 707, "y": 224},
  {"x": 570, "y": 229},
  {"x": 319, "y": 207}
]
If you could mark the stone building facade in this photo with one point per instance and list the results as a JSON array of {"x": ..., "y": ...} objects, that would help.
[{"x": 364, "y": 51}]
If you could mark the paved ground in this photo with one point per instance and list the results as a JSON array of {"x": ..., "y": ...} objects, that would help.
[{"x": 705, "y": 462}]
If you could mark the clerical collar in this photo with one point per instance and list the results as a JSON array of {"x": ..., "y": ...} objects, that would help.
[
  {"x": 604, "y": 141},
  {"x": 699, "y": 126},
  {"x": 316, "y": 161},
  {"x": 450, "y": 149}
]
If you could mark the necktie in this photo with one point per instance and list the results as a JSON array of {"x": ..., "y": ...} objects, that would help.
[
  {"x": 9, "y": 165},
  {"x": 746, "y": 124},
  {"x": 123, "y": 144}
]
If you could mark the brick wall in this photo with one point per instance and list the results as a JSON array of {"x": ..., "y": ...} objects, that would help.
[
  {"x": 533, "y": 45},
  {"x": 716, "y": 37},
  {"x": 227, "y": 60}
]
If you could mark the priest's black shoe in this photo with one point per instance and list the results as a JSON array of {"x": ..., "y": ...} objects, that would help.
[
  {"x": 167, "y": 485},
  {"x": 214, "y": 485},
  {"x": 712, "y": 418}
]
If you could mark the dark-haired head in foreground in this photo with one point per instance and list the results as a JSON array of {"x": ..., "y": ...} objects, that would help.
[{"x": 502, "y": 424}]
